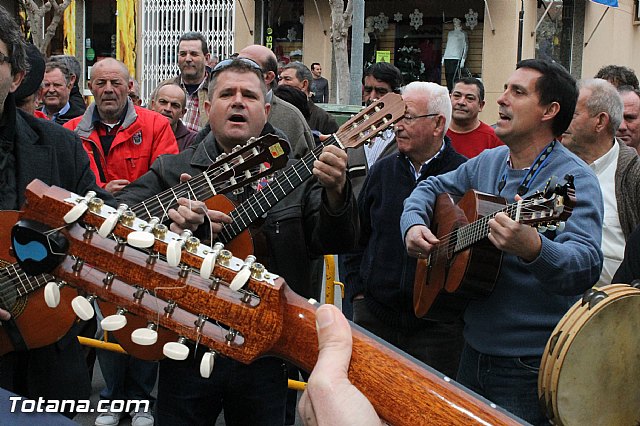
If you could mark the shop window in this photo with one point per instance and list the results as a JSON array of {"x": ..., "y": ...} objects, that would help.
[
  {"x": 284, "y": 29},
  {"x": 553, "y": 35}
]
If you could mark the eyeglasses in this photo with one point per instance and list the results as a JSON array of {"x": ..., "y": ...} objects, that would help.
[
  {"x": 4, "y": 58},
  {"x": 409, "y": 119},
  {"x": 228, "y": 62}
]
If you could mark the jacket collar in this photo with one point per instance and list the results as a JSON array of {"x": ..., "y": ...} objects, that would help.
[{"x": 86, "y": 124}]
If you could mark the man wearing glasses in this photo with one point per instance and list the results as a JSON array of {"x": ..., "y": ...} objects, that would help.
[
  {"x": 316, "y": 218},
  {"x": 380, "y": 271}
]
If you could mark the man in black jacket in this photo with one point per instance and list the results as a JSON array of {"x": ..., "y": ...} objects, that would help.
[
  {"x": 36, "y": 149},
  {"x": 381, "y": 272},
  {"x": 317, "y": 217}
]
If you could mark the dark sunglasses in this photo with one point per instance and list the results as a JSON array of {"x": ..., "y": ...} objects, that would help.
[{"x": 227, "y": 63}]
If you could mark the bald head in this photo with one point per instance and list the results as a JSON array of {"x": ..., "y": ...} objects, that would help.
[
  {"x": 265, "y": 58},
  {"x": 112, "y": 65}
]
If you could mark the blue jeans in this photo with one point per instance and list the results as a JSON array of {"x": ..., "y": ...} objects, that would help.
[
  {"x": 251, "y": 395},
  {"x": 511, "y": 383},
  {"x": 126, "y": 377}
]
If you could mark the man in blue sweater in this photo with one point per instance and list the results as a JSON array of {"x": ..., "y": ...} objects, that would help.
[
  {"x": 381, "y": 272},
  {"x": 541, "y": 273}
]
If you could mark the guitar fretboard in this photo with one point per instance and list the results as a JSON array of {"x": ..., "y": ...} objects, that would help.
[
  {"x": 15, "y": 282},
  {"x": 283, "y": 184},
  {"x": 200, "y": 187}
]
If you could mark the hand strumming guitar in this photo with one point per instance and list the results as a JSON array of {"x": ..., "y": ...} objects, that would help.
[
  {"x": 191, "y": 214},
  {"x": 419, "y": 241}
]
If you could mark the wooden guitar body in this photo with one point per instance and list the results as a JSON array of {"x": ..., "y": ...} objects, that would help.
[
  {"x": 468, "y": 274},
  {"x": 33, "y": 324}
]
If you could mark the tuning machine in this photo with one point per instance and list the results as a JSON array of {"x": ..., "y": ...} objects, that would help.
[
  {"x": 176, "y": 350},
  {"x": 114, "y": 322}
]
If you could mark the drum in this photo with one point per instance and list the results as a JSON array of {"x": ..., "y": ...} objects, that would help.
[{"x": 590, "y": 369}]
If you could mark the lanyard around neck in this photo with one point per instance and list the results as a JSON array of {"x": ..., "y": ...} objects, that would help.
[{"x": 535, "y": 168}]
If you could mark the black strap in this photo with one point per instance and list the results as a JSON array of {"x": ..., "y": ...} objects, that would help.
[{"x": 96, "y": 157}]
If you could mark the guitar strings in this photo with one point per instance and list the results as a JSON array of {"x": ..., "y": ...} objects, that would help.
[{"x": 474, "y": 231}]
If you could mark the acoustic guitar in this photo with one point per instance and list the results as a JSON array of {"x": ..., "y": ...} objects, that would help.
[
  {"x": 465, "y": 263},
  {"x": 234, "y": 307},
  {"x": 34, "y": 324}
]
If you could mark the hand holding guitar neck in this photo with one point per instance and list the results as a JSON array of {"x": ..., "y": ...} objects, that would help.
[{"x": 330, "y": 398}]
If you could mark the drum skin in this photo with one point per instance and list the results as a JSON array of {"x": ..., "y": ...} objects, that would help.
[{"x": 593, "y": 375}]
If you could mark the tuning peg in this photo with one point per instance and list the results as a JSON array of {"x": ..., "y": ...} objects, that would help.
[
  {"x": 110, "y": 223},
  {"x": 79, "y": 209},
  {"x": 242, "y": 277},
  {"x": 82, "y": 307},
  {"x": 551, "y": 227},
  {"x": 542, "y": 229},
  {"x": 144, "y": 238},
  {"x": 561, "y": 226},
  {"x": 209, "y": 261},
  {"x": 145, "y": 336},
  {"x": 176, "y": 350},
  {"x": 114, "y": 322},
  {"x": 174, "y": 248},
  {"x": 52, "y": 294},
  {"x": 206, "y": 364}
]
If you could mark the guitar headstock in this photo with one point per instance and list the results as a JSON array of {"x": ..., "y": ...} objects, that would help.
[
  {"x": 362, "y": 127},
  {"x": 225, "y": 300},
  {"x": 547, "y": 209},
  {"x": 250, "y": 162}
]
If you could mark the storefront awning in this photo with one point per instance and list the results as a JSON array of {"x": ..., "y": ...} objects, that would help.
[{"x": 612, "y": 3}]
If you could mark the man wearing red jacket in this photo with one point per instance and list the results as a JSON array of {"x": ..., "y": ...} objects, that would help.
[{"x": 122, "y": 139}]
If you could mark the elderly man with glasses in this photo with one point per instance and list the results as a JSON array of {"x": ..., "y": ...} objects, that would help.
[
  {"x": 380, "y": 271},
  {"x": 316, "y": 218}
]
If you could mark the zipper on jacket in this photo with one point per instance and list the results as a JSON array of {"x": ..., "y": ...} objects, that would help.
[{"x": 277, "y": 227}]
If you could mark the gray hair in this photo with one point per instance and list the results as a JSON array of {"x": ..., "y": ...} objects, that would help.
[
  {"x": 154, "y": 94},
  {"x": 71, "y": 62},
  {"x": 604, "y": 98},
  {"x": 11, "y": 36},
  {"x": 437, "y": 97},
  {"x": 52, "y": 65},
  {"x": 302, "y": 72}
]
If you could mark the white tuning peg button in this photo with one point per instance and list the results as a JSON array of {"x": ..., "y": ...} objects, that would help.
[
  {"x": 82, "y": 307},
  {"x": 206, "y": 364},
  {"x": 108, "y": 225},
  {"x": 174, "y": 252},
  {"x": 176, "y": 351},
  {"x": 552, "y": 227},
  {"x": 75, "y": 213},
  {"x": 240, "y": 279},
  {"x": 52, "y": 294},
  {"x": 113, "y": 322},
  {"x": 140, "y": 239},
  {"x": 208, "y": 263},
  {"x": 542, "y": 229},
  {"x": 561, "y": 226},
  {"x": 144, "y": 336}
]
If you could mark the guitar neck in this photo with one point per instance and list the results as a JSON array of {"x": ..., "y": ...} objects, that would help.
[
  {"x": 470, "y": 234},
  {"x": 201, "y": 187},
  {"x": 282, "y": 185},
  {"x": 402, "y": 390}
]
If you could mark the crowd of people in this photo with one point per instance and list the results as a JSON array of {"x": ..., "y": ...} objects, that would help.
[{"x": 374, "y": 205}]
